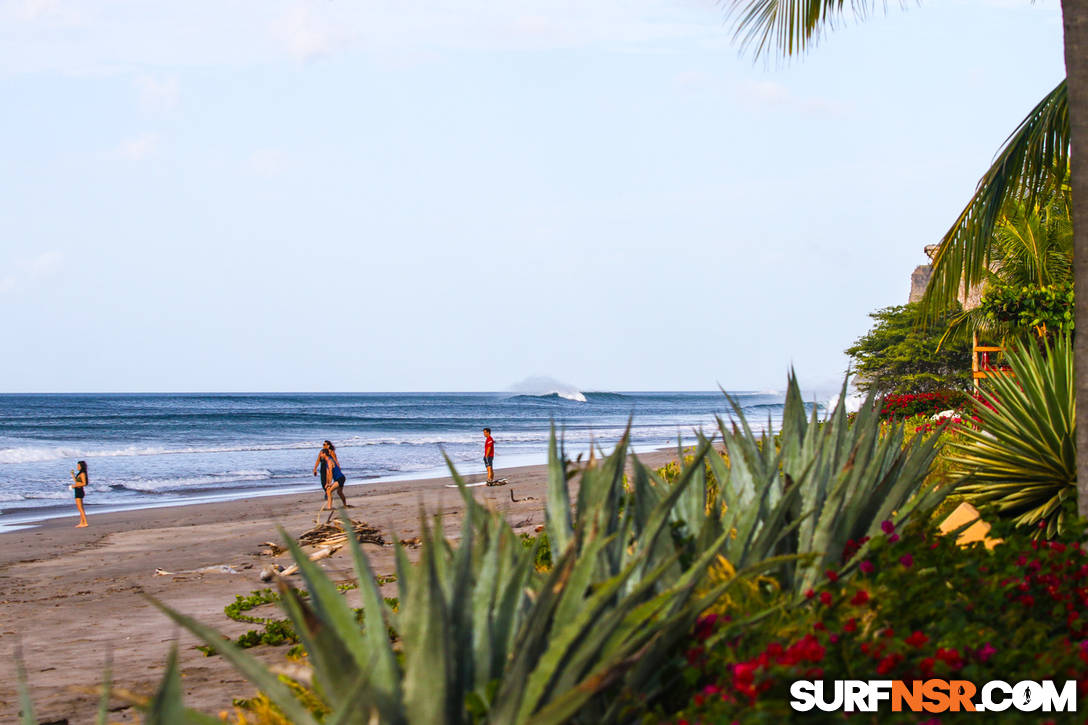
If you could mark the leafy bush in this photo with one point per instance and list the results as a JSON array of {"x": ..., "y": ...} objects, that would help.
[
  {"x": 1046, "y": 310},
  {"x": 920, "y": 606},
  {"x": 902, "y": 354}
]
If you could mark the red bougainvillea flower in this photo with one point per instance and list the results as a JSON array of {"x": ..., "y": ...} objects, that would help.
[
  {"x": 888, "y": 664},
  {"x": 810, "y": 593},
  {"x": 860, "y": 598},
  {"x": 825, "y": 598},
  {"x": 704, "y": 627},
  {"x": 906, "y": 560},
  {"x": 832, "y": 575},
  {"x": 893, "y": 538},
  {"x": 986, "y": 652},
  {"x": 887, "y": 527},
  {"x": 851, "y": 625},
  {"x": 916, "y": 639},
  {"x": 866, "y": 567},
  {"x": 950, "y": 657}
]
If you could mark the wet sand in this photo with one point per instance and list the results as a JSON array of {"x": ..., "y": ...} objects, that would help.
[{"x": 69, "y": 596}]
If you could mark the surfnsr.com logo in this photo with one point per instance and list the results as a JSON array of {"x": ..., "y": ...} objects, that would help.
[{"x": 934, "y": 696}]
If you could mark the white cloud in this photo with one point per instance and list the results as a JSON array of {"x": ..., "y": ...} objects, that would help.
[
  {"x": 115, "y": 35},
  {"x": 158, "y": 94},
  {"x": 775, "y": 96},
  {"x": 48, "y": 11},
  {"x": 306, "y": 34},
  {"x": 24, "y": 273},
  {"x": 138, "y": 147},
  {"x": 267, "y": 162}
]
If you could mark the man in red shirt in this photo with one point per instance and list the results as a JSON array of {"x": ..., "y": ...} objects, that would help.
[{"x": 489, "y": 455}]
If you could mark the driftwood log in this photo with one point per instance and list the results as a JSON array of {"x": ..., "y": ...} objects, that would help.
[{"x": 326, "y": 539}]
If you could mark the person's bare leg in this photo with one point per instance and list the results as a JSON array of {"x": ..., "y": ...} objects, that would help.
[
  {"x": 340, "y": 491},
  {"x": 82, "y": 514},
  {"x": 490, "y": 474}
]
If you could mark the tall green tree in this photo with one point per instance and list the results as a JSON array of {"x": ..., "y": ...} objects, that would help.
[
  {"x": 899, "y": 356},
  {"x": 1037, "y": 151}
]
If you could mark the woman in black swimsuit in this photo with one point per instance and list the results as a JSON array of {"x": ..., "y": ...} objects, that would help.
[{"x": 80, "y": 484}]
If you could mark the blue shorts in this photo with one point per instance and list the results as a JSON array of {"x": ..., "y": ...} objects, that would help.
[{"x": 488, "y": 460}]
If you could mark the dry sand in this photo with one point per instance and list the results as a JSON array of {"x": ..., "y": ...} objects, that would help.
[{"x": 69, "y": 596}]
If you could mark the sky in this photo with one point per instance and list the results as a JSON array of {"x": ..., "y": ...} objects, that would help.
[{"x": 413, "y": 195}]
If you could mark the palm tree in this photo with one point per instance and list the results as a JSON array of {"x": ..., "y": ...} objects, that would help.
[
  {"x": 1033, "y": 246},
  {"x": 1036, "y": 151}
]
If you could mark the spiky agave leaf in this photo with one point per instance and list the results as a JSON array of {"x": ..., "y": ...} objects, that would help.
[
  {"x": 1022, "y": 458},
  {"x": 246, "y": 664},
  {"x": 107, "y": 685},
  {"x": 26, "y": 705}
]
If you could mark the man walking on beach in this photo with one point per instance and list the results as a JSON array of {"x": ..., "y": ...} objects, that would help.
[{"x": 489, "y": 455}]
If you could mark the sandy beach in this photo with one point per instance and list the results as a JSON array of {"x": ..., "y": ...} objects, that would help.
[{"x": 69, "y": 596}]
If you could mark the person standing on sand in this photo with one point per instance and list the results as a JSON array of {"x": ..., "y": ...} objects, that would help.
[
  {"x": 80, "y": 484},
  {"x": 489, "y": 455},
  {"x": 323, "y": 464},
  {"x": 336, "y": 477}
]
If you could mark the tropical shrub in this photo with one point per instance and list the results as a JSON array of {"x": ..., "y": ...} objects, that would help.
[
  {"x": 920, "y": 606},
  {"x": 1021, "y": 458},
  {"x": 1030, "y": 310},
  {"x": 903, "y": 354},
  {"x": 897, "y": 407}
]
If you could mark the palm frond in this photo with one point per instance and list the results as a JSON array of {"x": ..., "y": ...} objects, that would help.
[
  {"x": 1034, "y": 156},
  {"x": 790, "y": 27}
]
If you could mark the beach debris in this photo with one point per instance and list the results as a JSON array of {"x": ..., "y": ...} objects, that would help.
[
  {"x": 327, "y": 534},
  {"x": 521, "y": 524},
  {"x": 269, "y": 572},
  {"x": 519, "y": 500},
  {"x": 217, "y": 569},
  {"x": 413, "y": 542},
  {"x": 326, "y": 539}
]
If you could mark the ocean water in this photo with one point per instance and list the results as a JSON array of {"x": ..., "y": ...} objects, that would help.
[{"x": 161, "y": 449}]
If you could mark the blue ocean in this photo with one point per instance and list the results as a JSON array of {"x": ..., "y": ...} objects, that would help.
[{"x": 157, "y": 449}]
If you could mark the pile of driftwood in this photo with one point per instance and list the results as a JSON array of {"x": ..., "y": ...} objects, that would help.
[{"x": 325, "y": 539}]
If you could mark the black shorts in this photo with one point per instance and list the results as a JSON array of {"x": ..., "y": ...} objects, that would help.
[
  {"x": 488, "y": 461},
  {"x": 79, "y": 491}
]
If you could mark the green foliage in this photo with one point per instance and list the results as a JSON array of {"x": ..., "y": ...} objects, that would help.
[
  {"x": 1033, "y": 245},
  {"x": 823, "y": 485},
  {"x": 275, "y": 632},
  {"x": 1029, "y": 310},
  {"x": 542, "y": 550},
  {"x": 921, "y": 607},
  {"x": 900, "y": 356},
  {"x": 1022, "y": 458}
]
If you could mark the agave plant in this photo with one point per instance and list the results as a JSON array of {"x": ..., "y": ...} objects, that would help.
[
  {"x": 848, "y": 478},
  {"x": 801, "y": 496},
  {"x": 481, "y": 636},
  {"x": 1021, "y": 460}
]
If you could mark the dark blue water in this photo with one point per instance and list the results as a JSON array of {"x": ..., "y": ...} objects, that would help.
[{"x": 152, "y": 449}]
